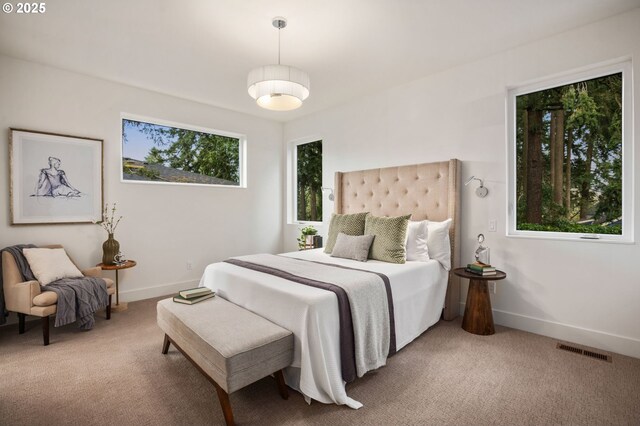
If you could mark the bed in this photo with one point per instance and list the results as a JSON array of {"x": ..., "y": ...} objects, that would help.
[{"x": 423, "y": 292}]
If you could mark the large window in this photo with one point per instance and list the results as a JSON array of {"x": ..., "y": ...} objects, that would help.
[
  {"x": 569, "y": 158},
  {"x": 308, "y": 182},
  {"x": 171, "y": 153}
]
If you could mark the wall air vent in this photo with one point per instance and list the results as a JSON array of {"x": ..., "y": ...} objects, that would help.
[{"x": 591, "y": 353}]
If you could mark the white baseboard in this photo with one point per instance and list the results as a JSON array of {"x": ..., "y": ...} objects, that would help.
[
  {"x": 156, "y": 291},
  {"x": 570, "y": 333}
]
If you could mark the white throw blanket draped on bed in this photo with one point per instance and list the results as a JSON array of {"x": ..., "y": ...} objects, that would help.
[
  {"x": 367, "y": 299},
  {"x": 312, "y": 314}
]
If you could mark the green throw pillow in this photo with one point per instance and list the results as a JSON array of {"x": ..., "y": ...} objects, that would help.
[
  {"x": 389, "y": 245},
  {"x": 350, "y": 224}
]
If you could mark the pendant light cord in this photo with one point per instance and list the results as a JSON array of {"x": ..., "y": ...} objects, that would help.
[{"x": 279, "y": 45}]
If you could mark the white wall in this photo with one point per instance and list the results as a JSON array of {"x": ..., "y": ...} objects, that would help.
[
  {"x": 580, "y": 291},
  {"x": 164, "y": 226}
]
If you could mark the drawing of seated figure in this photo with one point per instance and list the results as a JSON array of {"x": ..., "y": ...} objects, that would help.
[{"x": 53, "y": 182}]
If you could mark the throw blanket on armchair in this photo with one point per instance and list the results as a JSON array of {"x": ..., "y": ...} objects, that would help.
[{"x": 78, "y": 298}]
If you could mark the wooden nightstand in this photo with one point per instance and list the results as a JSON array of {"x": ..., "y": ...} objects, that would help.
[{"x": 478, "y": 318}]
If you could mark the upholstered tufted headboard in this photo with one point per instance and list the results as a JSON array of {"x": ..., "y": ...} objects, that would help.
[{"x": 425, "y": 191}]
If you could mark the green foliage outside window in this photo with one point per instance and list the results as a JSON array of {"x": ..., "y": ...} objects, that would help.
[
  {"x": 309, "y": 174},
  {"x": 181, "y": 155},
  {"x": 569, "y": 158}
]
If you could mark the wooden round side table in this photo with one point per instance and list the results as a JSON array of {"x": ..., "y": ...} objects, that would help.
[
  {"x": 116, "y": 267},
  {"x": 478, "y": 318}
]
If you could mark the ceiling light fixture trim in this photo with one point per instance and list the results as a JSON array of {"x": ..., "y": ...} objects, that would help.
[{"x": 278, "y": 87}]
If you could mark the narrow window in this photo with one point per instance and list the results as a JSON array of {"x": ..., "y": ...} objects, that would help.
[
  {"x": 569, "y": 158},
  {"x": 308, "y": 165}
]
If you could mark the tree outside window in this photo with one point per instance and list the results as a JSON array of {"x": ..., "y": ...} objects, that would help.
[
  {"x": 309, "y": 181},
  {"x": 569, "y": 158},
  {"x": 162, "y": 153}
]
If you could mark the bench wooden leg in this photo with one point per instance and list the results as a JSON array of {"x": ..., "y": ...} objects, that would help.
[
  {"x": 225, "y": 404},
  {"x": 109, "y": 308},
  {"x": 165, "y": 345},
  {"x": 21, "y": 318},
  {"x": 45, "y": 330},
  {"x": 223, "y": 396},
  {"x": 282, "y": 386}
]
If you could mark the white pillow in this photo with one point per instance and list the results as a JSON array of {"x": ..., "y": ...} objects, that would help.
[
  {"x": 49, "y": 265},
  {"x": 417, "y": 241},
  {"x": 439, "y": 243}
]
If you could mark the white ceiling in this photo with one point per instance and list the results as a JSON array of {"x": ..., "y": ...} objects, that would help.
[{"x": 203, "y": 49}]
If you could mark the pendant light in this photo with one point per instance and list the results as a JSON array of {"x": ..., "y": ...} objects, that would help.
[{"x": 278, "y": 87}]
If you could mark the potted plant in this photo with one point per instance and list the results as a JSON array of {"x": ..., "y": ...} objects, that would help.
[{"x": 305, "y": 240}]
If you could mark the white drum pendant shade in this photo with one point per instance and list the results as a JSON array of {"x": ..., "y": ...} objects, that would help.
[{"x": 278, "y": 87}]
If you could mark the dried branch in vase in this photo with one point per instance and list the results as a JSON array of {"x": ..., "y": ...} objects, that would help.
[{"x": 109, "y": 222}]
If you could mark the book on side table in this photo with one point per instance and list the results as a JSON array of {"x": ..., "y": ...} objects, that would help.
[
  {"x": 480, "y": 268},
  {"x": 192, "y": 300}
]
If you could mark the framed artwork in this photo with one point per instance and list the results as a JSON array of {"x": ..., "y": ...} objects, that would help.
[{"x": 54, "y": 178}]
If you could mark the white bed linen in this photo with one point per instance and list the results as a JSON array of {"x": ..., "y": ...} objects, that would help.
[{"x": 418, "y": 290}]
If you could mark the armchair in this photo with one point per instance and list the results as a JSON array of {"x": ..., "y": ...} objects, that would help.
[{"x": 26, "y": 298}]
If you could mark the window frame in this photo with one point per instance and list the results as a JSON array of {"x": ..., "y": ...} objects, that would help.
[
  {"x": 242, "y": 148},
  {"x": 623, "y": 66},
  {"x": 292, "y": 179}
]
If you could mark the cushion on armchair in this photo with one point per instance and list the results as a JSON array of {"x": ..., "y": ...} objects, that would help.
[
  {"x": 49, "y": 265},
  {"x": 46, "y": 298}
]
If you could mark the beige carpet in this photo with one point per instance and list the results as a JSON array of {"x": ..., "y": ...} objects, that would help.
[{"x": 116, "y": 375}]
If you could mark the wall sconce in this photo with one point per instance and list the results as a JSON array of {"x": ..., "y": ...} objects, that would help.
[
  {"x": 331, "y": 197},
  {"x": 481, "y": 191}
]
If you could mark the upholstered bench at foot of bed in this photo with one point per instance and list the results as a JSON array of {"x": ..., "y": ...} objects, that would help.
[{"x": 230, "y": 345}]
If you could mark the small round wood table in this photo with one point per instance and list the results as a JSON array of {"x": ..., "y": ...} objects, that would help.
[
  {"x": 478, "y": 318},
  {"x": 116, "y": 267}
]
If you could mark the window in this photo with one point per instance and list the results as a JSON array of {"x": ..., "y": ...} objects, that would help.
[
  {"x": 160, "y": 152},
  {"x": 308, "y": 182},
  {"x": 570, "y": 157}
]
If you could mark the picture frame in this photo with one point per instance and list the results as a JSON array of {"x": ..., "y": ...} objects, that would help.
[{"x": 54, "y": 178}]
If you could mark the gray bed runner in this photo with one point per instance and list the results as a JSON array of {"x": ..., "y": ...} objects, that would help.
[{"x": 365, "y": 306}]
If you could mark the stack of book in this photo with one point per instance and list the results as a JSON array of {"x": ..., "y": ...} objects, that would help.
[
  {"x": 193, "y": 295},
  {"x": 480, "y": 268}
]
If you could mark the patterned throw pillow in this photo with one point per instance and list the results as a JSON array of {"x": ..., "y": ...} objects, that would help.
[
  {"x": 389, "y": 244},
  {"x": 350, "y": 224}
]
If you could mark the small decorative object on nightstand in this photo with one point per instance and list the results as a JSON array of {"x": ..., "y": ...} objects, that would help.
[
  {"x": 478, "y": 318},
  {"x": 482, "y": 252},
  {"x": 119, "y": 259}
]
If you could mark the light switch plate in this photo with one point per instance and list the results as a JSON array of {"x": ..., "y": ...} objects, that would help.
[{"x": 493, "y": 225}]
